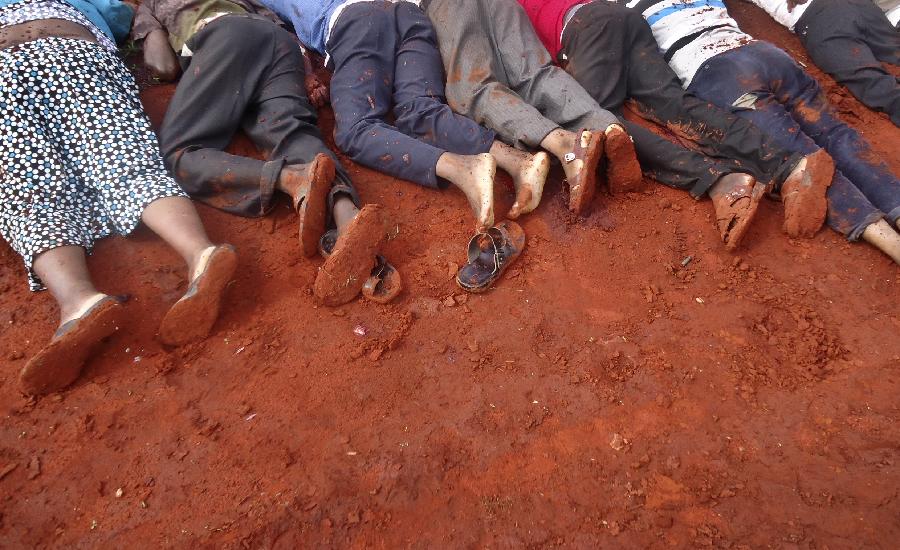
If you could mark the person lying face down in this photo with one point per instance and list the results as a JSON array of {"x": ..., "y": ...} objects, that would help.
[
  {"x": 386, "y": 63},
  {"x": 243, "y": 71},
  {"x": 610, "y": 50},
  {"x": 79, "y": 162},
  {"x": 718, "y": 62},
  {"x": 501, "y": 76},
  {"x": 852, "y": 40}
]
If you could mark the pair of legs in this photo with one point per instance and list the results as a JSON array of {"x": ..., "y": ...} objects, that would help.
[
  {"x": 257, "y": 87},
  {"x": 248, "y": 73},
  {"x": 386, "y": 62},
  {"x": 763, "y": 84},
  {"x": 81, "y": 163},
  {"x": 611, "y": 51},
  {"x": 850, "y": 39},
  {"x": 500, "y": 75}
]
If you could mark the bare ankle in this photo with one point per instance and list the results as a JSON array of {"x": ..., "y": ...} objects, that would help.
[{"x": 559, "y": 142}]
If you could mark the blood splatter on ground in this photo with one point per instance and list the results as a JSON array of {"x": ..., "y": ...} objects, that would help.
[{"x": 629, "y": 384}]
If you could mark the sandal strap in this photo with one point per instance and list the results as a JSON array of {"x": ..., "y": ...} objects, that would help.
[
  {"x": 577, "y": 151},
  {"x": 497, "y": 237}
]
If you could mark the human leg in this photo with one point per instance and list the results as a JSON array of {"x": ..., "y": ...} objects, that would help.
[
  {"x": 604, "y": 39},
  {"x": 114, "y": 153},
  {"x": 745, "y": 81},
  {"x": 849, "y": 40},
  {"x": 208, "y": 108},
  {"x": 363, "y": 43},
  {"x": 533, "y": 75},
  {"x": 475, "y": 77}
]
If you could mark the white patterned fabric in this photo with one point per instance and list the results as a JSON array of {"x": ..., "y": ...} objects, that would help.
[
  {"x": 783, "y": 11},
  {"x": 78, "y": 158},
  {"x": 34, "y": 10}
]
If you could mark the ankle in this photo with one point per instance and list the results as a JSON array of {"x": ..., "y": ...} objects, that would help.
[
  {"x": 290, "y": 179},
  {"x": 559, "y": 143},
  {"x": 77, "y": 306},
  {"x": 198, "y": 260}
]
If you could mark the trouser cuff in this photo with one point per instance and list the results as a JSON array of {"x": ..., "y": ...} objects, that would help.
[{"x": 267, "y": 179}]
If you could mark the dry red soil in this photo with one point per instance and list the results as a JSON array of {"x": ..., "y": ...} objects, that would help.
[{"x": 608, "y": 393}]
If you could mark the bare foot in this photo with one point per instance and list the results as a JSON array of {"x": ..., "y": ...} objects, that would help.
[
  {"x": 474, "y": 175},
  {"x": 308, "y": 185},
  {"x": 803, "y": 194},
  {"x": 622, "y": 168},
  {"x": 192, "y": 317},
  {"x": 735, "y": 198},
  {"x": 60, "y": 362},
  {"x": 351, "y": 260},
  {"x": 529, "y": 182}
]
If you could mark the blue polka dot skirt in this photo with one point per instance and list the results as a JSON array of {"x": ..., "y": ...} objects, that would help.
[{"x": 78, "y": 158}]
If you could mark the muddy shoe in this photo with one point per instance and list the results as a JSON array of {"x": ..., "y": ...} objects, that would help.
[
  {"x": 583, "y": 185},
  {"x": 736, "y": 199},
  {"x": 623, "y": 172},
  {"x": 803, "y": 194},
  {"x": 489, "y": 255},
  {"x": 311, "y": 201},
  {"x": 384, "y": 282},
  {"x": 60, "y": 363},
  {"x": 351, "y": 261},
  {"x": 192, "y": 317}
]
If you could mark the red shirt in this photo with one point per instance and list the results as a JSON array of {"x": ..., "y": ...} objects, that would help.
[{"x": 547, "y": 17}]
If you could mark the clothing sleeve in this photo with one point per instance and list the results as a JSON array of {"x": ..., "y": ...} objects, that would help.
[
  {"x": 117, "y": 15},
  {"x": 144, "y": 23}
]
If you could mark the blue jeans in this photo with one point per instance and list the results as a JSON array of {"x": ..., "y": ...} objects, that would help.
[
  {"x": 764, "y": 85},
  {"x": 386, "y": 62}
]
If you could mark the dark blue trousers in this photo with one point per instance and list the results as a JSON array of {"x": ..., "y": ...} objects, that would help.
[
  {"x": 850, "y": 39},
  {"x": 385, "y": 55},
  {"x": 764, "y": 85}
]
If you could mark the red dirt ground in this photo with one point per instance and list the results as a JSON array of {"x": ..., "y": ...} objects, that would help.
[{"x": 604, "y": 395}]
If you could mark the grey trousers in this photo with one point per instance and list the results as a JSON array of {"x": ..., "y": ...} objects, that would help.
[{"x": 500, "y": 75}]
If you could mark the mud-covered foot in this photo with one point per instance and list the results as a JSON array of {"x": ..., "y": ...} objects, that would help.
[
  {"x": 803, "y": 194},
  {"x": 308, "y": 185},
  {"x": 192, "y": 317},
  {"x": 352, "y": 258},
  {"x": 529, "y": 183},
  {"x": 60, "y": 362},
  {"x": 580, "y": 167},
  {"x": 735, "y": 198},
  {"x": 623, "y": 171}
]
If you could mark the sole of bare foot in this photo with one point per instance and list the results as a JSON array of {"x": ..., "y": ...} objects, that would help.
[
  {"x": 311, "y": 202},
  {"x": 348, "y": 267},
  {"x": 803, "y": 195},
  {"x": 736, "y": 200},
  {"x": 480, "y": 188},
  {"x": 192, "y": 317},
  {"x": 530, "y": 185},
  {"x": 623, "y": 172},
  {"x": 60, "y": 363},
  {"x": 583, "y": 181}
]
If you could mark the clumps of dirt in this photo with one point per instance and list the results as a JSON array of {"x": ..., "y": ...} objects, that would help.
[
  {"x": 799, "y": 344},
  {"x": 374, "y": 348}
]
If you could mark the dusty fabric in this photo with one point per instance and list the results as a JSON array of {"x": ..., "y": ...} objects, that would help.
[
  {"x": 35, "y": 10},
  {"x": 612, "y": 53},
  {"x": 500, "y": 75},
  {"x": 180, "y": 17},
  {"x": 792, "y": 107},
  {"x": 850, "y": 39},
  {"x": 386, "y": 62},
  {"x": 79, "y": 159},
  {"x": 258, "y": 88}
]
